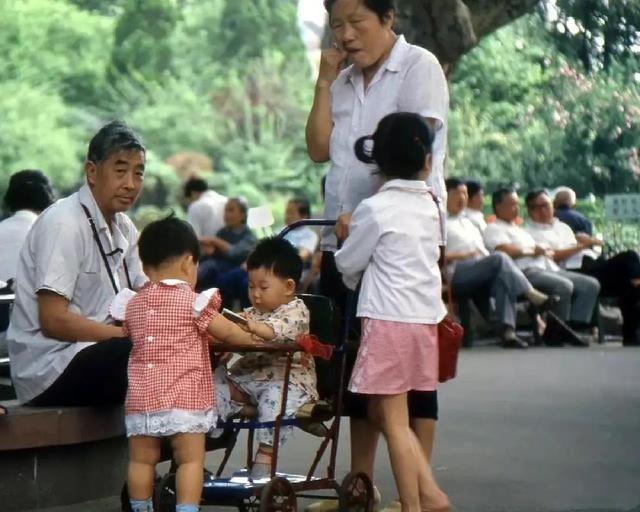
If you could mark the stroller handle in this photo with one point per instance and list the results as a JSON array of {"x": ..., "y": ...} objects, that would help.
[{"x": 305, "y": 222}]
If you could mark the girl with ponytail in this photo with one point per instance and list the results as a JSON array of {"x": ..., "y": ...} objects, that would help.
[{"x": 393, "y": 248}]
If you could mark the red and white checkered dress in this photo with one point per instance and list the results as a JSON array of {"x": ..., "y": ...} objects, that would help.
[{"x": 170, "y": 379}]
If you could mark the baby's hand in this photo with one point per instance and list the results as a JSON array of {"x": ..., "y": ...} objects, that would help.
[{"x": 252, "y": 326}]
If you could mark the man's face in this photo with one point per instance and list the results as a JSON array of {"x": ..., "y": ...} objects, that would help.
[
  {"x": 507, "y": 209},
  {"x": 116, "y": 182},
  {"x": 540, "y": 209},
  {"x": 477, "y": 200},
  {"x": 456, "y": 199}
]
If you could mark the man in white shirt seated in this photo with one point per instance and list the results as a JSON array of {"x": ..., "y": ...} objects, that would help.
[
  {"x": 65, "y": 349},
  {"x": 205, "y": 212},
  {"x": 619, "y": 276},
  {"x": 475, "y": 203},
  {"x": 304, "y": 238},
  {"x": 475, "y": 274},
  {"x": 578, "y": 293}
]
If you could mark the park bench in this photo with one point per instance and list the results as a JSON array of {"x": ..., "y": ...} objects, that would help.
[{"x": 55, "y": 456}]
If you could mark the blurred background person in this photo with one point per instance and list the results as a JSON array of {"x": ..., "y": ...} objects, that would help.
[
  {"x": 226, "y": 254},
  {"x": 564, "y": 204},
  {"x": 29, "y": 193},
  {"x": 205, "y": 210},
  {"x": 475, "y": 202}
]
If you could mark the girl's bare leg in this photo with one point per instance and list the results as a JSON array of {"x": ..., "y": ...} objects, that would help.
[
  {"x": 414, "y": 480},
  {"x": 189, "y": 452},
  {"x": 144, "y": 454},
  {"x": 425, "y": 430}
]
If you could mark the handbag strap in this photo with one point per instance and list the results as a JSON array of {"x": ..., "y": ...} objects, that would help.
[
  {"x": 96, "y": 237},
  {"x": 442, "y": 261}
]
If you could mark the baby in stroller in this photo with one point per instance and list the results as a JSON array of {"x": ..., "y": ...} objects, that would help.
[{"x": 257, "y": 378}]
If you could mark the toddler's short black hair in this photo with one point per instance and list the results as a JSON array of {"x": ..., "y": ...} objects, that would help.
[
  {"x": 277, "y": 255},
  {"x": 165, "y": 239}
]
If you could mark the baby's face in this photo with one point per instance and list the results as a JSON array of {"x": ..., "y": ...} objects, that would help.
[{"x": 267, "y": 291}]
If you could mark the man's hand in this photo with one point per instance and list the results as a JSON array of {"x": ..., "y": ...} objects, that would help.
[
  {"x": 538, "y": 250},
  {"x": 342, "y": 226}
]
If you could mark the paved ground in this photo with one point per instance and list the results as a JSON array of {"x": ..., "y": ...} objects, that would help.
[{"x": 554, "y": 430}]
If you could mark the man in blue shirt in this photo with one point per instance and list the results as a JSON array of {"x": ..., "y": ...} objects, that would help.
[{"x": 564, "y": 204}]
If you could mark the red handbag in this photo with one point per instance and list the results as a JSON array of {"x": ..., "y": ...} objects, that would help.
[
  {"x": 450, "y": 335},
  {"x": 450, "y": 332}
]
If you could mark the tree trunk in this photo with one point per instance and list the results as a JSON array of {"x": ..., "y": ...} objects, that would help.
[{"x": 450, "y": 28}]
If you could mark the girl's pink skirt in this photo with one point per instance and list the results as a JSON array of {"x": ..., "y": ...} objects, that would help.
[{"x": 395, "y": 357}]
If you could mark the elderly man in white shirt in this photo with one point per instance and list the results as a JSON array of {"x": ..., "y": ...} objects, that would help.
[
  {"x": 473, "y": 273},
  {"x": 619, "y": 275},
  {"x": 64, "y": 347},
  {"x": 205, "y": 212},
  {"x": 578, "y": 293}
]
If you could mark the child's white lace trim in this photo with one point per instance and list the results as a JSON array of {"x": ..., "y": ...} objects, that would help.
[
  {"x": 168, "y": 423},
  {"x": 202, "y": 301},
  {"x": 118, "y": 306}
]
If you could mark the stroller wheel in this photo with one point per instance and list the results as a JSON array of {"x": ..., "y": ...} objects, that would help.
[
  {"x": 278, "y": 496},
  {"x": 356, "y": 493},
  {"x": 251, "y": 504},
  {"x": 165, "y": 494}
]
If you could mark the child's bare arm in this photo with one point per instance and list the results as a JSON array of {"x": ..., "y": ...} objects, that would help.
[
  {"x": 262, "y": 330},
  {"x": 226, "y": 331}
]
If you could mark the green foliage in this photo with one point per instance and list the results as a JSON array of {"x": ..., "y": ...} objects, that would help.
[
  {"x": 142, "y": 45},
  {"x": 266, "y": 22},
  {"x": 597, "y": 33},
  {"x": 56, "y": 46},
  {"x": 532, "y": 119},
  {"x": 38, "y": 132},
  {"x": 229, "y": 79}
]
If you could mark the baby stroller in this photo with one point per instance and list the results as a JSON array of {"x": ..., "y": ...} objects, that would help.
[{"x": 281, "y": 490}]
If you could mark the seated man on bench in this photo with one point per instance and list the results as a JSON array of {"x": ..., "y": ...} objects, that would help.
[
  {"x": 77, "y": 256},
  {"x": 474, "y": 273}
]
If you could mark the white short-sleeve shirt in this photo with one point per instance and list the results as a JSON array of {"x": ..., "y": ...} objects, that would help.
[
  {"x": 13, "y": 231},
  {"x": 500, "y": 232},
  {"x": 61, "y": 255},
  {"x": 463, "y": 236},
  {"x": 477, "y": 218},
  {"x": 394, "y": 241},
  {"x": 206, "y": 214},
  {"x": 558, "y": 235},
  {"x": 411, "y": 80}
]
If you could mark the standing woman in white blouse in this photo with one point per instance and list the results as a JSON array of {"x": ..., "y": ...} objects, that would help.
[{"x": 386, "y": 74}]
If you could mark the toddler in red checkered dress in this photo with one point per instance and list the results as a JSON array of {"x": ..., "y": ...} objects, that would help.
[{"x": 170, "y": 391}]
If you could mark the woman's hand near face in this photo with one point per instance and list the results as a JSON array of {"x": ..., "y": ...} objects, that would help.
[{"x": 331, "y": 62}]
